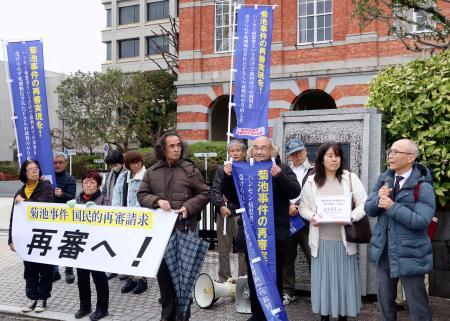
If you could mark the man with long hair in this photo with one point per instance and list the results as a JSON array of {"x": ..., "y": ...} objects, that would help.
[{"x": 174, "y": 183}]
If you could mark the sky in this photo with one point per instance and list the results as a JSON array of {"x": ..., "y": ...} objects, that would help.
[{"x": 69, "y": 29}]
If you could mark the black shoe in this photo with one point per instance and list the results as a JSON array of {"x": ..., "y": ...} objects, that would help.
[
  {"x": 324, "y": 318},
  {"x": 70, "y": 278},
  {"x": 97, "y": 315},
  {"x": 56, "y": 276},
  {"x": 140, "y": 287},
  {"x": 82, "y": 312},
  {"x": 341, "y": 318},
  {"x": 110, "y": 276},
  {"x": 129, "y": 285}
]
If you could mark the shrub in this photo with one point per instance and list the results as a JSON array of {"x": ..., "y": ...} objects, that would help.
[
  {"x": 83, "y": 163},
  {"x": 9, "y": 167},
  {"x": 416, "y": 99}
]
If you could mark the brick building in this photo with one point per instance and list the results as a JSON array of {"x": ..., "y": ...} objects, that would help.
[{"x": 320, "y": 59}]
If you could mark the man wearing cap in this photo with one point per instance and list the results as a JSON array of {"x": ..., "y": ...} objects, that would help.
[{"x": 297, "y": 156}]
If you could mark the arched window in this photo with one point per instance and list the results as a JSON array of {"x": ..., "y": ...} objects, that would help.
[
  {"x": 313, "y": 99},
  {"x": 218, "y": 120}
]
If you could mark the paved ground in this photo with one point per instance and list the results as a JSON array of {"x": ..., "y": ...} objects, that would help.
[
  {"x": 14, "y": 317},
  {"x": 130, "y": 307}
]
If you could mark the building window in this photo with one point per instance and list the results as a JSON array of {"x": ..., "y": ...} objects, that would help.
[
  {"x": 108, "y": 18},
  {"x": 128, "y": 48},
  {"x": 157, "y": 10},
  {"x": 129, "y": 14},
  {"x": 315, "y": 21},
  {"x": 108, "y": 50},
  {"x": 157, "y": 44},
  {"x": 420, "y": 17},
  {"x": 224, "y": 25},
  {"x": 411, "y": 21}
]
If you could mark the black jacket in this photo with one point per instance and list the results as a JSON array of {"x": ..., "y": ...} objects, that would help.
[
  {"x": 223, "y": 185},
  {"x": 67, "y": 183},
  {"x": 42, "y": 193},
  {"x": 285, "y": 188}
]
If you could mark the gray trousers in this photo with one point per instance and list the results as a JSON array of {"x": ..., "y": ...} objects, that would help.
[
  {"x": 225, "y": 243},
  {"x": 415, "y": 292},
  {"x": 299, "y": 238}
]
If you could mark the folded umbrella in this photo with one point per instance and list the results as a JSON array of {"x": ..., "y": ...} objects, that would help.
[{"x": 184, "y": 256}]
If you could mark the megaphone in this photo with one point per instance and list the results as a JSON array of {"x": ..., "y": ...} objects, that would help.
[{"x": 207, "y": 291}]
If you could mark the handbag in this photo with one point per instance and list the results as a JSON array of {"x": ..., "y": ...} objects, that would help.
[{"x": 359, "y": 231}]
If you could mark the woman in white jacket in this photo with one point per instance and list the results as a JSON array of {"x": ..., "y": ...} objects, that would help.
[
  {"x": 335, "y": 287},
  {"x": 125, "y": 194}
]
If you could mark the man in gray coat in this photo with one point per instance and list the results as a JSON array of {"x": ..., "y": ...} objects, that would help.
[{"x": 403, "y": 200}]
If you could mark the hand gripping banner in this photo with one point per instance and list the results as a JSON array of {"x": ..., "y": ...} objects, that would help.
[
  {"x": 252, "y": 78},
  {"x": 254, "y": 188},
  {"x": 124, "y": 240},
  {"x": 26, "y": 69}
]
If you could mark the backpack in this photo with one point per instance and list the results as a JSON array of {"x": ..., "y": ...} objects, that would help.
[{"x": 432, "y": 227}]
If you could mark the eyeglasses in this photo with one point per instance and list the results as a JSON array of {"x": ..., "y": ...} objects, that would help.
[
  {"x": 33, "y": 170},
  {"x": 89, "y": 182},
  {"x": 395, "y": 152},
  {"x": 262, "y": 148}
]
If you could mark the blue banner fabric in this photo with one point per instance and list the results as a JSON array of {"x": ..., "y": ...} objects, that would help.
[
  {"x": 254, "y": 188},
  {"x": 26, "y": 69},
  {"x": 252, "y": 78}
]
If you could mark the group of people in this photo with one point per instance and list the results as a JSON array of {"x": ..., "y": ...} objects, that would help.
[{"x": 399, "y": 247}]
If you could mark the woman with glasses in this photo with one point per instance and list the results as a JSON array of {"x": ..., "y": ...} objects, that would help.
[
  {"x": 125, "y": 194},
  {"x": 334, "y": 267},
  {"x": 38, "y": 276},
  {"x": 91, "y": 194}
]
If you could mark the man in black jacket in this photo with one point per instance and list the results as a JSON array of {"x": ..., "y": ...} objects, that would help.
[
  {"x": 224, "y": 197},
  {"x": 65, "y": 191},
  {"x": 65, "y": 183},
  {"x": 285, "y": 187}
]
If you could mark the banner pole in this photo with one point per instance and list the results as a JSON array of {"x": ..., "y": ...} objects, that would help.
[
  {"x": 232, "y": 70},
  {"x": 13, "y": 115}
]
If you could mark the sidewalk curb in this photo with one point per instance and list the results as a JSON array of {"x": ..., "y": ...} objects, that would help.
[{"x": 47, "y": 315}]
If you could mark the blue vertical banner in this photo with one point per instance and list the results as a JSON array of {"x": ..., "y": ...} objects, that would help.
[
  {"x": 252, "y": 78},
  {"x": 254, "y": 188},
  {"x": 26, "y": 69}
]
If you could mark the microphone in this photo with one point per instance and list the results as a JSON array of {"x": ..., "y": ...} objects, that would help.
[{"x": 389, "y": 182}]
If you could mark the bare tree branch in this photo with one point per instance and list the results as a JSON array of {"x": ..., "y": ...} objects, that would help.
[
  {"x": 433, "y": 27},
  {"x": 170, "y": 55}
]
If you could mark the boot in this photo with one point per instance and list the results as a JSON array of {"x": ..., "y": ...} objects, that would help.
[
  {"x": 141, "y": 286},
  {"x": 129, "y": 285},
  {"x": 324, "y": 318}
]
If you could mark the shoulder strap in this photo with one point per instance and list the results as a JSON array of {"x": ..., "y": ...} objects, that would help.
[
  {"x": 350, "y": 182},
  {"x": 309, "y": 172},
  {"x": 416, "y": 191},
  {"x": 125, "y": 192}
]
